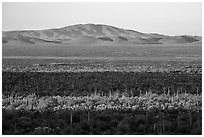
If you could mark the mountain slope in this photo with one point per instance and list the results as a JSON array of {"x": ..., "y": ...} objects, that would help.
[{"x": 92, "y": 34}]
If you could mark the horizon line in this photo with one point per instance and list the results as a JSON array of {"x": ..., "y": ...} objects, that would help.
[{"x": 99, "y": 24}]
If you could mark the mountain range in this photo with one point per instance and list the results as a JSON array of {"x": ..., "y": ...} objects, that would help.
[{"x": 92, "y": 34}]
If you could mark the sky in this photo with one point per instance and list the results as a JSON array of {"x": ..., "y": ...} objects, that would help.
[{"x": 170, "y": 18}]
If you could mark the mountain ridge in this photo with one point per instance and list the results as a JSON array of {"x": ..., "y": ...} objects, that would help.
[{"x": 93, "y": 34}]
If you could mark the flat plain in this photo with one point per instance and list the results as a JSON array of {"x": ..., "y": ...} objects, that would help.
[{"x": 132, "y": 53}]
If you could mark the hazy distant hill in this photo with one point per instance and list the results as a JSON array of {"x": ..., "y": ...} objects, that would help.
[{"x": 83, "y": 34}]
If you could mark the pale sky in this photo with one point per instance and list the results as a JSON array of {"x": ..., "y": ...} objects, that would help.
[{"x": 164, "y": 18}]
